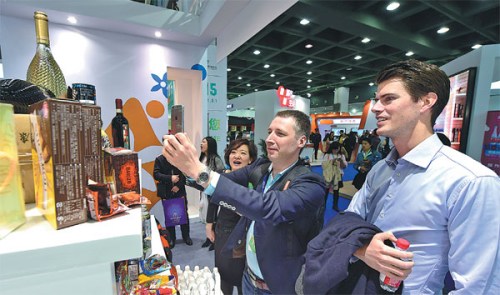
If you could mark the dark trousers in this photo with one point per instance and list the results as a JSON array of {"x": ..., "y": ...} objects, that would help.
[{"x": 316, "y": 148}]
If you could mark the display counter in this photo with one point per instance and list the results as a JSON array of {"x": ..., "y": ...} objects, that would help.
[{"x": 37, "y": 259}]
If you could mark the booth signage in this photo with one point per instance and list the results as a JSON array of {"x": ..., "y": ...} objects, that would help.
[{"x": 286, "y": 97}]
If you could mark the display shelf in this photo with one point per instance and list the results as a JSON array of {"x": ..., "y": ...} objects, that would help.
[{"x": 37, "y": 259}]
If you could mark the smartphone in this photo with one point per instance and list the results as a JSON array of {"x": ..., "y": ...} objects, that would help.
[{"x": 177, "y": 119}]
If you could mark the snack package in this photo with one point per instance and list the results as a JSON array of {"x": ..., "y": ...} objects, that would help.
[
  {"x": 132, "y": 198},
  {"x": 101, "y": 202}
]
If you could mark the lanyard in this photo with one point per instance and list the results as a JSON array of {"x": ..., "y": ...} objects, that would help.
[{"x": 264, "y": 182}]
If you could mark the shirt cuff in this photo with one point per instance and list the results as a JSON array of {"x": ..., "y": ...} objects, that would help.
[{"x": 214, "y": 179}]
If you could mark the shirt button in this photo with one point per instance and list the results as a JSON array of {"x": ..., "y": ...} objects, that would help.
[
  {"x": 389, "y": 196},
  {"x": 398, "y": 174},
  {"x": 381, "y": 214},
  {"x": 239, "y": 242}
]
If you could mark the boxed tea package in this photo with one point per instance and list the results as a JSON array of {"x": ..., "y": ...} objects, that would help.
[
  {"x": 121, "y": 169},
  {"x": 92, "y": 151},
  {"x": 57, "y": 150}
]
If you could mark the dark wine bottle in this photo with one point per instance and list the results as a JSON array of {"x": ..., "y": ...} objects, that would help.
[{"x": 119, "y": 126}]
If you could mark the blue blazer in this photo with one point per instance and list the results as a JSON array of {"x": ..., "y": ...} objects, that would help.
[{"x": 282, "y": 221}]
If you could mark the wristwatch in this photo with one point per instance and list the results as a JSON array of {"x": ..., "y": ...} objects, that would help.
[{"x": 204, "y": 176}]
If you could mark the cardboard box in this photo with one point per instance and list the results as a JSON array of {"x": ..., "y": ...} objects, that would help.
[
  {"x": 92, "y": 151},
  {"x": 121, "y": 169},
  {"x": 57, "y": 150}
]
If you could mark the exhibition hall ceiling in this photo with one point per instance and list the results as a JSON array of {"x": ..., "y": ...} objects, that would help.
[{"x": 340, "y": 57}]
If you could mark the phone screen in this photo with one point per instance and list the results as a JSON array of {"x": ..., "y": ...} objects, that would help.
[{"x": 177, "y": 119}]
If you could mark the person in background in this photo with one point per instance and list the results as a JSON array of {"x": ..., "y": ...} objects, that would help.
[
  {"x": 339, "y": 155},
  {"x": 277, "y": 223},
  {"x": 430, "y": 194},
  {"x": 367, "y": 157},
  {"x": 211, "y": 159},
  {"x": 375, "y": 139},
  {"x": 239, "y": 153},
  {"x": 315, "y": 138},
  {"x": 171, "y": 184},
  {"x": 350, "y": 144},
  {"x": 342, "y": 137}
]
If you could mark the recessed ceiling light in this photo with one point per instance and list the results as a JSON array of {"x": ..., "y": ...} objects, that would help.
[
  {"x": 409, "y": 53},
  {"x": 71, "y": 19},
  {"x": 266, "y": 66},
  {"x": 308, "y": 86},
  {"x": 392, "y": 6},
  {"x": 239, "y": 78},
  {"x": 443, "y": 30},
  {"x": 348, "y": 69},
  {"x": 309, "y": 62},
  {"x": 309, "y": 95},
  {"x": 248, "y": 84},
  {"x": 239, "y": 95},
  {"x": 256, "y": 89},
  {"x": 309, "y": 80},
  {"x": 358, "y": 57},
  {"x": 309, "y": 73},
  {"x": 354, "y": 110},
  {"x": 228, "y": 69},
  {"x": 476, "y": 46},
  {"x": 277, "y": 82},
  {"x": 256, "y": 52},
  {"x": 272, "y": 75},
  {"x": 342, "y": 78},
  {"x": 371, "y": 83},
  {"x": 157, "y": 34},
  {"x": 365, "y": 40},
  {"x": 304, "y": 22},
  {"x": 309, "y": 45}
]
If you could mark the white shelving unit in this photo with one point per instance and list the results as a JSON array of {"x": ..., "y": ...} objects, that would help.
[{"x": 37, "y": 259}]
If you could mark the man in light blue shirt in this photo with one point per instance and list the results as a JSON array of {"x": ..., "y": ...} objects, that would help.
[{"x": 443, "y": 202}]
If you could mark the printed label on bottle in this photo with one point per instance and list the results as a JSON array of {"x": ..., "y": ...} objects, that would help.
[
  {"x": 392, "y": 283},
  {"x": 126, "y": 142}
]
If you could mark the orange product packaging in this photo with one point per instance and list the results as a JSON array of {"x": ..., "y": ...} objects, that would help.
[{"x": 121, "y": 170}]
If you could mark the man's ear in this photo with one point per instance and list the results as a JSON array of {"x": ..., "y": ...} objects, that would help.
[
  {"x": 428, "y": 101},
  {"x": 302, "y": 141}
]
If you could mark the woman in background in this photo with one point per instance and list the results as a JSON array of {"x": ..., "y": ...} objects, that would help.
[
  {"x": 338, "y": 162},
  {"x": 367, "y": 157},
  {"x": 239, "y": 153},
  {"x": 213, "y": 161}
]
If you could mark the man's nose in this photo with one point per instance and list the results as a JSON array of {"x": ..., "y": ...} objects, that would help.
[{"x": 377, "y": 106}]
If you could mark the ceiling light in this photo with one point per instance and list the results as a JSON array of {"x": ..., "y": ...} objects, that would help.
[
  {"x": 228, "y": 69},
  {"x": 239, "y": 78},
  {"x": 309, "y": 95},
  {"x": 371, "y": 83},
  {"x": 308, "y": 86},
  {"x": 304, "y": 22},
  {"x": 443, "y": 30},
  {"x": 157, "y": 34},
  {"x": 248, "y": 84},
  {"x": 309, "y": 73},
  {"x": 71, "y": 19},
  {"x": 309, "y": 80},
  {"x": 256, "y": 52},
  {"x": 365, "y": 40},
  {"x": 348, "y": 69},
  {"x": 272, "y": 75},
  {"x": 392, "y": 6},
  {"x": 354, "y": 110},
  {"x": 277, "y": 82},
  {"x": 358, "y": 57},
  {"x": 256, "y": 89},
  {"x": 342, "y": 78},
  {"x": 239, "y": 95},
  {"x": 476, "y": 46},
  {"x": 409, "y": 53},
  {"x": 309, "y": 62},
  {"x": 309, "y": 45},
  {"x": 266, "y": 66}
]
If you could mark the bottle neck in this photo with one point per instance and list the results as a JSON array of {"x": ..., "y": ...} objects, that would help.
[
  {"x": 42, "y": 28},
  {"x": 119, "y": 111}
]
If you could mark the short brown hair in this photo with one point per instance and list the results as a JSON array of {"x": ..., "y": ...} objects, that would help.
[
  {"x": 303, "y": 123},
  {"x": 420, "y": 78}
]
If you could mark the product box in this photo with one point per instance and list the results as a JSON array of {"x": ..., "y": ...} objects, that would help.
[
  {"x": 57, "y": 150},
  {"x": 92, "y": 151},
  {"x": 121, "y": 169}
]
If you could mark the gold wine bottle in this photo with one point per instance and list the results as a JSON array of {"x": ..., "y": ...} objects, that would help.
[{"x": 43, "y": 69}]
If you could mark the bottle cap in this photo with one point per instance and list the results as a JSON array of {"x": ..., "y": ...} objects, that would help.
[
  {"x": 402, "y": 244},
  {"x": 118, "y": 103}
]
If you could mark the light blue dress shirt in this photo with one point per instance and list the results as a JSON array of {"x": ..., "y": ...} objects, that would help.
[{"x": 448, "y": 206}]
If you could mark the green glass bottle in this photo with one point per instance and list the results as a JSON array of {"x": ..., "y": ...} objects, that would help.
[{"x": 43, "y": 69}]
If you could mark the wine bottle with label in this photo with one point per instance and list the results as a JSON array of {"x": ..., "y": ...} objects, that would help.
[
  {"x": 119, "y": 126},
  {"x": 43, "y": 69}
]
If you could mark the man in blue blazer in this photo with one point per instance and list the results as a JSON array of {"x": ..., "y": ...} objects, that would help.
[{"x": 275, "y": 227}]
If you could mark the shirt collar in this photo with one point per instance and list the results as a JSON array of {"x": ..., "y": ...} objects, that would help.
[{"x": 421, "y": 155}]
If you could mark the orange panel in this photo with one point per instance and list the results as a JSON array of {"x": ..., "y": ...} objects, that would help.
[{"x": 325, "y": 122}]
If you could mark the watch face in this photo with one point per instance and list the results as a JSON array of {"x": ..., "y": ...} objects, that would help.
[{"x": 203, "y": 177}]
